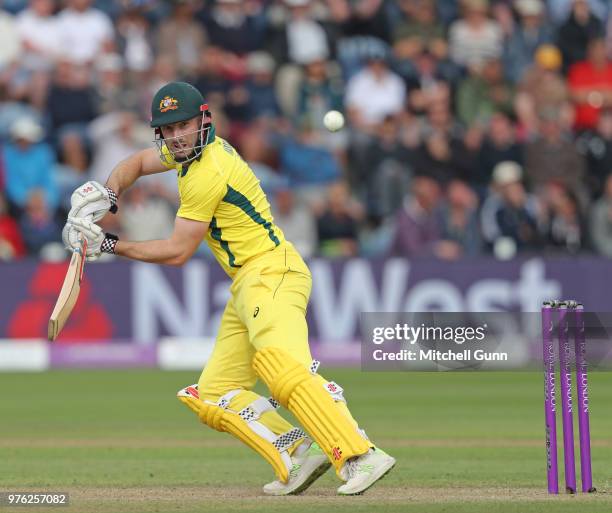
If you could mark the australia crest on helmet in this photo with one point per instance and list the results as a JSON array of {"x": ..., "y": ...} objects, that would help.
[{"x": 168, "y": 103}]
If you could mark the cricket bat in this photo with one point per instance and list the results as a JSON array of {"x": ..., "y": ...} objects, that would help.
[{"x": 70, "y": 292}]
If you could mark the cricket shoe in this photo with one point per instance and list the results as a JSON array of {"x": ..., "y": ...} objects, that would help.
[
  {"x": 307, "y": 467},
  {"x": 363, "y": 471}
]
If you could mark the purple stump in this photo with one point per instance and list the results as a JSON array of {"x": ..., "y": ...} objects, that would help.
[
  {"x": 583, "y": 402},
  {"x": 550, "y": 417},
  {"x": 565, "y": 354}
]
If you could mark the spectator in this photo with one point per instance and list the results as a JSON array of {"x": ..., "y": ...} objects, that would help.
[
  {"x": 475, "y": 37},
  {"x": 71, "y": 100},
  {"x": 458, "y": 223},
  {"x": 71, "y": 105},
  {"x": 374, "y": 93},
  {"x": 531, "y": 33},
  {"x": 145, "y": 215},
  {"x": 212, "y": 79},
  {"x": 40, "y": 42},
  {"x": 361, "y": 19},
  {"x": 111, "y": 93},
  {"x": 37, "y": 223},
  {"x": 439, "y": 118},
  {"x": 543, "y": 89},
  {"x": 429, "y": 81},
  {"x": 234, "y": 31},
  {"x": 40, "y": 47},
  {"x": 337, "y": 223},
  {"x": 601, "y": 221},
  {"x": 597, "y": 148},
  {"x": 261, "y": 96},
  {"x": 181, "y": 38},
  {"x": 381, "y": 172},
  {"x": 573, "y": 36},
  {"x": 301, "y": 38},
  {"x": 318, "y": 92},
  {"x": 134, "y": 41},
  {"x": 510, "y": 216},
  {"x": 484, "y": 92},
  {"x": 114, "y": 137},
  {"x": 307, "y": 164},
  {"x": 163, "y": 71},
  {"x": 416, "y": 226},
  {"x": 565, "y": 230},
  {"x": 85, "y": 32},
  {"x": 9, "y": 44},
  {"x": 11, "y": 242},
  {"x": 552, "y": 156},
  {"x": 499, "y": 145},
  {"x": 28, "y": 165},
  {"x": 443, "y": 158},
  {"x": 560, "y": 9},
  {"x": 590, "y": 84},
  {"x": 296, "y": 221},
  {"x": 258, "y": 154},
  {"x": 418, "y": 31},
  {"x": 448, "y": 10}
]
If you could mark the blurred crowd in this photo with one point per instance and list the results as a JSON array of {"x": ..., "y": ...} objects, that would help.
[{"x": 473, "y": 126}]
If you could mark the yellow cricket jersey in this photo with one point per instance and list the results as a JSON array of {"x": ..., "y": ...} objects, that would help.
[{"x": 221, "y": 189}]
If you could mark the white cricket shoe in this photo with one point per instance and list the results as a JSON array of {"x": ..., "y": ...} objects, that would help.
[
  {"x": 307, "y": 468},
  {"x": 363, "y": 471}
]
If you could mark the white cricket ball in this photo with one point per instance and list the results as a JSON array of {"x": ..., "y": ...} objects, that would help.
[{"x": 333, "y": 120}]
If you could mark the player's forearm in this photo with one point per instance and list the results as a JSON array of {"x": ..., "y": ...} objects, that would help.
[
  {"x": 125, "y": 173},
  {"x": 152, "y": 251}
]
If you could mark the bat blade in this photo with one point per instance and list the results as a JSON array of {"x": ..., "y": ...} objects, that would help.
[{"x": 69, "y": 293}]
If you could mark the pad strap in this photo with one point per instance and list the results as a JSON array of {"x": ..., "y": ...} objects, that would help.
[
  {"x": 314, "y": 366},
  {"x": 286, "y": 440},
  {"x": 225, "y": 400},
  {"x": 256, "y": 409}
]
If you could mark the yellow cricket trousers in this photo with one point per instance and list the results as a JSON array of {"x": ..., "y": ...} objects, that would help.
[{"x": 267, "y": 307}]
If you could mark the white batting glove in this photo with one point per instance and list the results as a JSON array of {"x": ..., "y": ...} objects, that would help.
[
  {"x": 92, "y": 200},
  {"x": 71, "y": 237},
  {"x": 98, "y": 242}
]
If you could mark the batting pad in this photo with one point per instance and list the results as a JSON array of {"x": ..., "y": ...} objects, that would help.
[
  {"x": 245, "y": 426},
  {"x": 309, "y": 399}
]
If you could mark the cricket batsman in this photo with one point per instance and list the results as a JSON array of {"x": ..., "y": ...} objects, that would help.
[{"x": 263, "y": 332}]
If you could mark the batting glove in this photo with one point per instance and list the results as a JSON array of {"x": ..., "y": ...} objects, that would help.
[
  {"x": 98, "y": 242},
  {"x": 92, "y": 200}
]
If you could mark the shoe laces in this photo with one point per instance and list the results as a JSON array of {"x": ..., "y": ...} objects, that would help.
[{"x": 353, "y": 467}]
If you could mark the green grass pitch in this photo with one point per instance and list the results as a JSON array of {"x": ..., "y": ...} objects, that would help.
[{"x": 119, "y": 441}]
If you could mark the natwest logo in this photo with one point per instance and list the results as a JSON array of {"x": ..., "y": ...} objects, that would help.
[{"x": 88, "y": 320}]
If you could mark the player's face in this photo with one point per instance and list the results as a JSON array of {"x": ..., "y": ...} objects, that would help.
[{"x": 181, "y": 137}]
